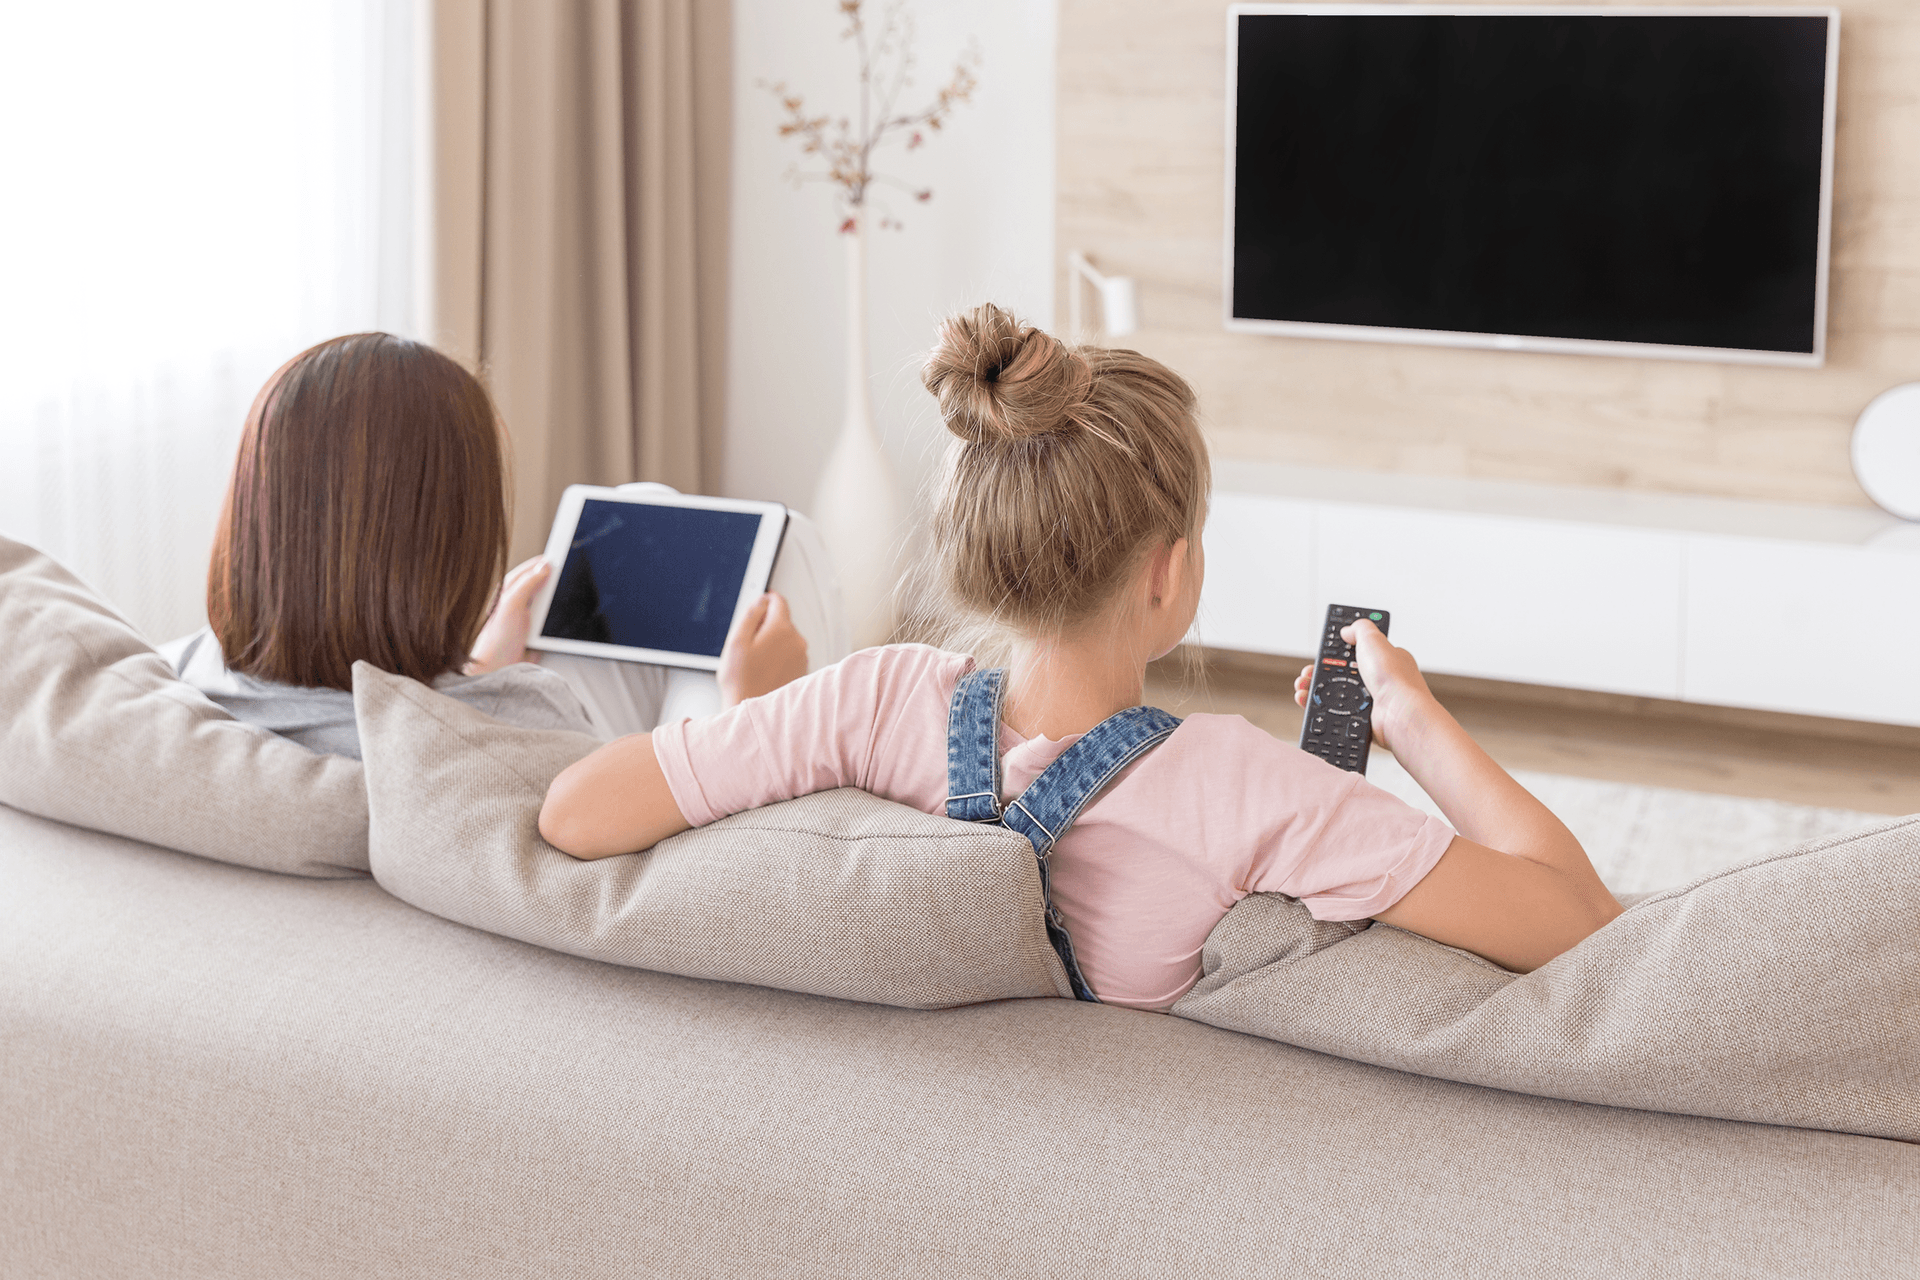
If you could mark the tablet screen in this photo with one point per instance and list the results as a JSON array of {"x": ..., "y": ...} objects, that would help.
[{"x": 652, "y": 577}]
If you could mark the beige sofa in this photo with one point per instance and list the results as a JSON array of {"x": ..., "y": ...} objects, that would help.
[
  {"x": 214, "y": 1070},
  {"x": 208, "y": 1070}
]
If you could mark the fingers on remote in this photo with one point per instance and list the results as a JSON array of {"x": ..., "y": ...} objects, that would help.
[{"x": 1338, "y": 725}]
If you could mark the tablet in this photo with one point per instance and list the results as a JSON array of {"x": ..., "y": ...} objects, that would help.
[{"x": 654, "y": 576}]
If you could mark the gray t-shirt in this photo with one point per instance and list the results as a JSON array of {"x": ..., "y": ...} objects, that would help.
[{"x": 322, "y": 719}]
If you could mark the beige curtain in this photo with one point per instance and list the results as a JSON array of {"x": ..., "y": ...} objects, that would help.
[{"x": 579, "y": 189}]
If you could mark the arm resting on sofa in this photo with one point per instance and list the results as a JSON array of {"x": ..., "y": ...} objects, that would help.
[
  {"x": 614, "y": 801},
  {"x": 1515, "y": 886},
  {"x": 1517, "y": 912}
]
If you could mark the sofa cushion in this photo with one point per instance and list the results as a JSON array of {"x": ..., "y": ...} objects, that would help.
[
  {"x": 1784, "y": 991},
  {"x": 839, "y": 894},
  {"x": 96, "y": 731}
]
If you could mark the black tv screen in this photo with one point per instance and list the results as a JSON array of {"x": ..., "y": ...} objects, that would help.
[{"x": 1557, "y": 180}]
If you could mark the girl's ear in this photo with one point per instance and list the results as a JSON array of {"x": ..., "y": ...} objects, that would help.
[
  {"x": 1154, "y": 577},
  {"x": 1171, "y": 569}
]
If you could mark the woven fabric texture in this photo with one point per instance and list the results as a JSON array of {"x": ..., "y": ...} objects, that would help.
[
  {"x": 95, "y": 730},
  {"x": 838, "y": 894},
  {"x": 1785, "y": 991},
  {"x": 210, "y": 1072}
]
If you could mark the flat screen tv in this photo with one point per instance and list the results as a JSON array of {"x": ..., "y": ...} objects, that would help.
[{"x": 1624, "y": 181}]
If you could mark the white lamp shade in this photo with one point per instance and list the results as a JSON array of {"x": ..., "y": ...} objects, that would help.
[
  {"x": 1119, "y": 306},
  {"x": 1886, "y": 450}
]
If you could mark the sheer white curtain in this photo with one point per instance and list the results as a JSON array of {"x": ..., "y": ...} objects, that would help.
[{"x": 194, "y": 191}]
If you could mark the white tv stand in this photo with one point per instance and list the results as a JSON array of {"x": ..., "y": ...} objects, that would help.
[{"x": 1775, "y": 606}]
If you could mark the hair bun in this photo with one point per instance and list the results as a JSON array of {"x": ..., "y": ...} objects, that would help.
[{"x": 998, "y": 379}]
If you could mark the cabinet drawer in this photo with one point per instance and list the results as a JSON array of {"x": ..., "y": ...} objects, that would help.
[
  {"x": 1819, "y": 630},
  {"x": 1259, "y": 594},
  {"x": 1503, "y": 599}
]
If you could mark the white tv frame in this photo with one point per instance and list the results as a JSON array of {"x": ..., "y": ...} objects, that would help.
[{"x": 1523, "y": 342}]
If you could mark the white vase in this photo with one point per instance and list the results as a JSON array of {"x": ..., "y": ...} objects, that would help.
[{"x": 857, "y": 504}]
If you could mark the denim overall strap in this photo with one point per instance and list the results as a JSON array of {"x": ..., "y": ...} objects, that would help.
[
  {"x": 973, "y": 747},
  {"x": 1043, "y": 812}
]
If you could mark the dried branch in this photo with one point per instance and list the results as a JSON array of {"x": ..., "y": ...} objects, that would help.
[{"x": 886, "y": 70}]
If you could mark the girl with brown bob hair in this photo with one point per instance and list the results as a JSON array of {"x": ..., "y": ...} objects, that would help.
[
  {"x": 1070, "y": 516},
  {"x": 367, "y": 520}
]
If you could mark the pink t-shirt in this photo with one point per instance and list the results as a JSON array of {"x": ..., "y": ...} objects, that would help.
[{"x": 1219, "y": 810}]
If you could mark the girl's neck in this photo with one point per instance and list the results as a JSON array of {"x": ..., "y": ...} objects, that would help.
[{"x": 1068, "y": 684}]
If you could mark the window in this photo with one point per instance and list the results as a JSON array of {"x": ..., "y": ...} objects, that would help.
[{"x": 195, "y": 191}]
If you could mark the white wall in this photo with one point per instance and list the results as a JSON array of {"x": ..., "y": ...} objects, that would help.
[{"x": 987, "y": 234}]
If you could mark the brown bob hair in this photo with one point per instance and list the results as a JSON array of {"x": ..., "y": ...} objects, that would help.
[{"x": 367, "y": 517}]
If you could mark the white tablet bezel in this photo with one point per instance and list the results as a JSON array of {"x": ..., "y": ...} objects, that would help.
[{"x": 766, "y": 545}]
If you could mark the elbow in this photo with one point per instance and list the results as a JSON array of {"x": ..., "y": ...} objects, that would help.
[
  {"x": 1581, "y": 921},
  {"x": 561, "y": 822},
  {"x": 555, "y": 829},
  {"x": 1601, "y": 910}
]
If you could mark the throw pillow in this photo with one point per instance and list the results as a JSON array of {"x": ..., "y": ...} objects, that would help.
[
  {"x": 1785, "y": 991},
  {"x": 836, "y": 894},
  {"x": 95, "y": 731}
]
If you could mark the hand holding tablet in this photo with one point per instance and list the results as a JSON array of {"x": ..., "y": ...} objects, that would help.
[
  {"x": 503, "y": 640},
  {"x": 653, "y": 577},
  {"x": 763, "y": 652}
]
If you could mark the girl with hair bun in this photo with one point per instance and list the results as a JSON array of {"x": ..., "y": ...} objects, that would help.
[{"x": 1069, "y": 519}]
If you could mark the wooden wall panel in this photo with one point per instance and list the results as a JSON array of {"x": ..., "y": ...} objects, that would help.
[{"x": 1141, "y": 190}]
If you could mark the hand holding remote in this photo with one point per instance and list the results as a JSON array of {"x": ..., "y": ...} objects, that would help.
[
  {"x": 1399, "y": 690},
  {"x": 1392, "y": 676}
]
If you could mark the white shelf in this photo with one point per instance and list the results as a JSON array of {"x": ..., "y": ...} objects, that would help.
[
  {"x": 1571, "y": 504},
  {"x": 1712, "y": 600}
]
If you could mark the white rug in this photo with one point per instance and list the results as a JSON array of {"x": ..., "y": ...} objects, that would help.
[{"x": 1646, "y": 838}]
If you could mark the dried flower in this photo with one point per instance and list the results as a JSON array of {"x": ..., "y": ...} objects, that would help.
[{"x": 847, "y": 153}]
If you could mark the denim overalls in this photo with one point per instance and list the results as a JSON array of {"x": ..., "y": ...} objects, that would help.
[{"x": 1043, "y": 812}]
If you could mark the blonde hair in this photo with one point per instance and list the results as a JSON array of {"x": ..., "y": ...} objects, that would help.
[{"x": 1072, "y": 465}]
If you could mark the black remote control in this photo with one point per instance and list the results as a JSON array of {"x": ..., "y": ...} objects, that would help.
[{"x": 1338, "y": 726}]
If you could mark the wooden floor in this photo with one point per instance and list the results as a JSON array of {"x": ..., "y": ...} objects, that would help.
[{"x": 1833, "y": 763}]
